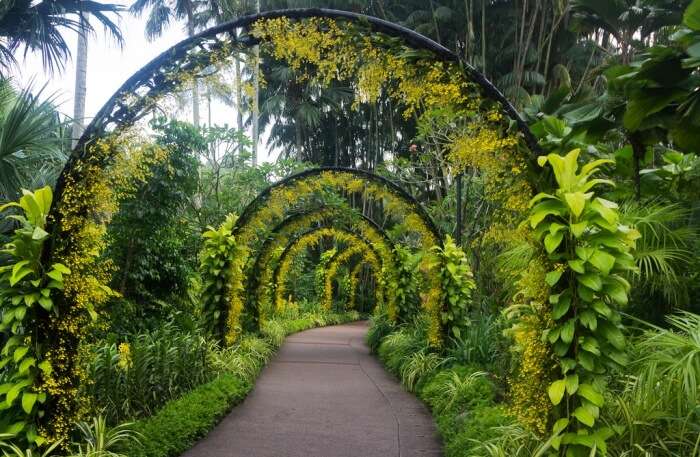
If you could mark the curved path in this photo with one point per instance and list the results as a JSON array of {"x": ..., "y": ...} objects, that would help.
[{"x": 324, "y": 395}]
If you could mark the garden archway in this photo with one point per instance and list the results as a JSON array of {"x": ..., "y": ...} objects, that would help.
[
  {"x": 84, "y": 198},
  {"x": 268, "y": 256}
]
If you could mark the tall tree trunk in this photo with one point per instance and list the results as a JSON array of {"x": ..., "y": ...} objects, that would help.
[
  {"x": 195, "y": 86},
  {"x": 638, "y": 152},
  {"x": 239, "y": 95},
  {"x": 483, "y": 36},
  {"x": 80, "y": 81},
  {"x": 256, "y": 98}
]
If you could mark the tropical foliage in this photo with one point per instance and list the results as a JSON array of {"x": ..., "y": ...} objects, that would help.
[{"x": 143, "y": 290}]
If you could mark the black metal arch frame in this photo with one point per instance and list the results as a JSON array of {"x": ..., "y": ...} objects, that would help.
[
  {"x": 299, "y": 238},
  {"x": 361, "y": 261},
  {"x": 331, "y": 212},
  {"x": 253, "y": 279},
  {"x": 151, "y": 75},
  {"x": 152, "y": 80},
  {"x": 394, "y": 188}
]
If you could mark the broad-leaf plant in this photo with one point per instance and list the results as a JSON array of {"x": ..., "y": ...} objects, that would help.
[
  {"x": 27, "y": 291},
  {"x": 583, "y": 237}
]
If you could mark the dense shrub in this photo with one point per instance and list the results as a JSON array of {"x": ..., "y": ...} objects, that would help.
[
  {"x": 176, "y": 427},
  {"x": 134, "y": 378}
]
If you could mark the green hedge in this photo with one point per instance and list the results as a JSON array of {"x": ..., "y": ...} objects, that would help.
[{"x": 182, "y": 422}]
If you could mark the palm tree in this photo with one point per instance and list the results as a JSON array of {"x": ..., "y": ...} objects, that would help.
[
  {"x": 161, "y": 13},
  {"x": 37, "y": 26},
  {"x": 32, "y": 141}
]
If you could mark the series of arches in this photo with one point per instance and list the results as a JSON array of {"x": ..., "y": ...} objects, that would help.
[{"x": 78, "y": 218}]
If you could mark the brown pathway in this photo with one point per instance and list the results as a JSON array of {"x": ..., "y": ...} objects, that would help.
[{"x": 324, "y": 395}]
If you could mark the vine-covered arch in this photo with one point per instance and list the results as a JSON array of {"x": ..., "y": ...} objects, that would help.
[
  {"x": 85, "y": 197},
  {"x": 342, "y": 257},
  {"x": 311, "y": 238},
  {"x": 268, "y": 256},
  {"x": 288, "y": 197}
]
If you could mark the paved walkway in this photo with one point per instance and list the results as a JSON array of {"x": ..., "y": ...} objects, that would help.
[{"x": 324, "y": 395}]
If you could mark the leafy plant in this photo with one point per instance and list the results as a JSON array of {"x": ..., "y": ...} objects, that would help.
[
  {"x": 135, "y": 378},
  {"x": 405, "y": 282},
  {"x": 417, "y": 366},
  {"x": 584, "y": 238},
  {"x": 100, "y": 439},
  {"x": 457, "y": 285},
  {"x": 27, "y": 289},
  {"x": 216, "y": 260}
]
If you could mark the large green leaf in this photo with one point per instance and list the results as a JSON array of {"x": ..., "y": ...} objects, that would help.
[
  {"x": 602, "y": 261},
  {"x": 649, "y": 102},
  {"x": 588, "y": 392},
  {"x": 584, "y": 416},
  {"x": 576, "y": 202},
  {"x": 556, "y": 391},
  {"x": 28, "y": 401},
  {"x": 691, "y": 18}
]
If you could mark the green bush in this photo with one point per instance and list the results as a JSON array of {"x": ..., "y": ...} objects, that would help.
[
  {"x": 380, "y": 326},
  {"x": 179, "y": 425},
  {"x": 133, "y": 379},
  {"x": 458, "y": 389},
  {"x": 465, "y": 432}
]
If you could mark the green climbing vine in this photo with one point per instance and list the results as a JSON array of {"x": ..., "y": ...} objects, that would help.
[
  {"x": 26, "y": 297},
  {"x": 583, "y": 237}
]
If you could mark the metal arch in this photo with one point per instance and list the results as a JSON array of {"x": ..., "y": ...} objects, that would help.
[
  {"x": 296, "y": 240},
  {"x": 364, "y": 174},
  {"x": 116, "y": 111},
  {"x": 360, "y": 262},
  {"x": 416, "y": 40},
  {"x": 253, "y": 279}
]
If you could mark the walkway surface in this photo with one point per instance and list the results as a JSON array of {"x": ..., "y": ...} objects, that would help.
[{"x": 324, "y": 395}]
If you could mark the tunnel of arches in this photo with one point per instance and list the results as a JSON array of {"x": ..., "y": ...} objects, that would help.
[{"x": 368, "y": 219}]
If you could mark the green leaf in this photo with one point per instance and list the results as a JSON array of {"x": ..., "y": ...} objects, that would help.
[
  {"x": 553, "y": 277},
  {"x": 602, "y": 261},
  {"x": 584, "y": 416},
  {"x": 25, "y": 365},
  {"x": 39, "y": 234},
  {"x": 613, "y": 335},
  {"x": 591, "y": 280},
  {"x": 45, "y": 367},
  {"x": 606, "y": 209},
  {"x": 572, "y": 384},
  {"x": 654, "y": 100},
  {"x": 577, "y": 266},
  {"x": 55, "y": 275},
  {"x": 544, "y": 209},
  {"x": 552, "y": 241},
  {"x": 576, "y": 202},
  {"x": 560, "y": 425},
  {"x": 586, "y": 360},
  {"x": 588, "y": 392},
  {"x": 61, "y": 268},
  {"x": 28, "y": 400},
  {"x": 591, "y": 345},
  {"x": 617, "y": 293},
  {"x": 561, "y": 307},
  {"x": 601, "y": 308},
  {"x": 46, "y": 303},
  {"x": 20, "y": 352},
  {"x": 691, "y": 17},
  {"x": 567, "y": 331},
  {"x": 588, "y": 319},
  {"x": 17, "y": 275},
  {"x": 556, "y": 391},
  {"x": 578, "y": 228}
]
